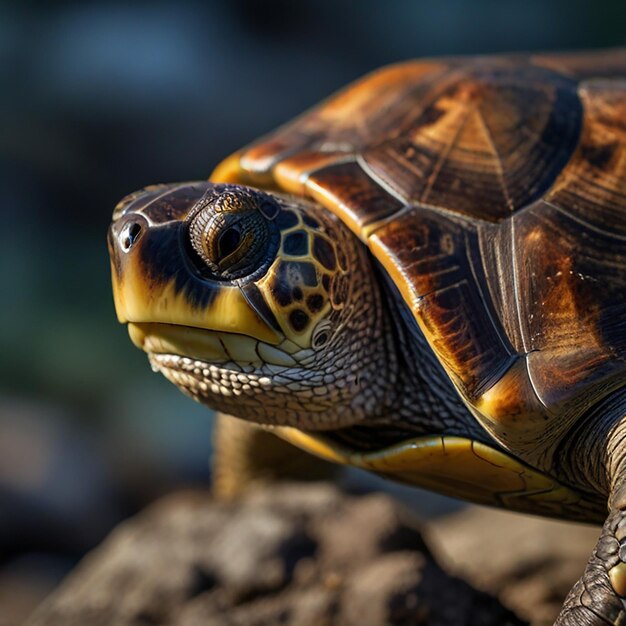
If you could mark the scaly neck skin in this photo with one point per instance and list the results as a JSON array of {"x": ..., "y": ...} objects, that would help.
[
  {"x": 593, "y": 455},
  {"x": 615, "y": 465},
  {"x": 427, "y": 402},
  {"x": 614, "y": 453}
]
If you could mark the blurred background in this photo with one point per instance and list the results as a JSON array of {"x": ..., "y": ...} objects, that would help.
[{"x": 98, "y": 99}]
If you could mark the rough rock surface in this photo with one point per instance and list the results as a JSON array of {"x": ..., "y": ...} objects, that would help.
[
  {"x": 529, "y": 562},
  {"x": 301, "y": 555}
]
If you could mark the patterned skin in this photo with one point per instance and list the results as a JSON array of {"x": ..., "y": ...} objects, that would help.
[{"x": 426, "y": 277}]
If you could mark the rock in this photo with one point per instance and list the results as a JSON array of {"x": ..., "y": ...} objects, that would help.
[
  {"x": 371, "y": 525},
  {"x": 529, "y": 562},
  {"x": 406, "y": 588},
  {"x": 289, "y": 554}
]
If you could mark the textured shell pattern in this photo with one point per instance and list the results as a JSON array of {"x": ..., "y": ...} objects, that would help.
[{"x": 493, "y": 193}]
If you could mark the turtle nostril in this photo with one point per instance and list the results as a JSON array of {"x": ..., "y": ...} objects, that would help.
[{"x": 129, "y": 234}]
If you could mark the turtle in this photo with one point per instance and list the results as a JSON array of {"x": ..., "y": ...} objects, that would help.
[{"x": 423, "y": 276}]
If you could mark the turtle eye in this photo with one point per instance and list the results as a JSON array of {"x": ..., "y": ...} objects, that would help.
[
  {"x": 233, "y": 245},
  {"x": 238, "y": 247},
  {"x": 229, "y": 241}
]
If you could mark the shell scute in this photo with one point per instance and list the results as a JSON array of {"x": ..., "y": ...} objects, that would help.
[
  {"x": 362, "y": 201},
  {"x": 431, "y": 260},
  {"x": 490, "y": 143},
  {"x": 592, "y": 188}
]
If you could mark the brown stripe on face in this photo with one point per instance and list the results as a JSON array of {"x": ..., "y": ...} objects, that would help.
[
  {"x": 254, "y": 296},
  {"x": 162, "y": 203},
  {"x": 138, "y": 200},
  {"x": 176, "y": 204}
]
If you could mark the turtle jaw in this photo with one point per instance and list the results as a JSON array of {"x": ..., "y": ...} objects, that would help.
[
  {"x": 213, "y": 346},
  {"x": 231, "y": 372},
  {"x": 271, "y": 385},
  {"x": 265, "y": 394}
]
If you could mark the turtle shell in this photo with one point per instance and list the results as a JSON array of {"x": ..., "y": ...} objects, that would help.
[{"x": 493, "y": 192}]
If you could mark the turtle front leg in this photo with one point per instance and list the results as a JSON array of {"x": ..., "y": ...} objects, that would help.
[
  {"x": 246, "y": 455},
  {"x": 599, "y": 596}
]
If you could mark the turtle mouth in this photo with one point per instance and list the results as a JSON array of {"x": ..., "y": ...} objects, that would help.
[{"x": 209, "y": 346}]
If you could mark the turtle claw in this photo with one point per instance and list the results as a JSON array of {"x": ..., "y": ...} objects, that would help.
[{"x": 599, "y": 596}]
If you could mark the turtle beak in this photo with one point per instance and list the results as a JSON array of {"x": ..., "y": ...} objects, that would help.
[{"x": 154, "y": 278}]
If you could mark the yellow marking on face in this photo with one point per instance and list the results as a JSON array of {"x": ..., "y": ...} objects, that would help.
[
  {"x": 234, "y": 170},
  {"x": 456, "y": 467},
  {"x": 182, "y": 340},
  {"x": 269, "y": 354},
  {"x": 212, "y": 347},
  {"x": 290, "y": 295},
  {"x": 137, "y": 299}
]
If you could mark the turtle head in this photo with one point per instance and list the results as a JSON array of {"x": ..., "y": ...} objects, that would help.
[{"x": 261, "y": 305}]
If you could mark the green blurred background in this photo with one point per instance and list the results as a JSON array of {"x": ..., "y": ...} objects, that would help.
[{"x": 98, "y": 99}]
